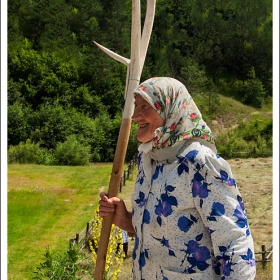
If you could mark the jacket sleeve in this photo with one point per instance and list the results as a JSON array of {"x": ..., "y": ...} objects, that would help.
[{"x": 221, "y": 207}]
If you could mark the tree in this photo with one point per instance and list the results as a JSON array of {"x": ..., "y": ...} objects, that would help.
[{"x": 253, "y": 90}]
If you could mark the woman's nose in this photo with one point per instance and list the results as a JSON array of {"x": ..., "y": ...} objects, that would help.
[{"x": 135, "y": 115}]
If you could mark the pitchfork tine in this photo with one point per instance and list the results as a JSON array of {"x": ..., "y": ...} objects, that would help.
[
  {"x": 114, "y": 55},
  {"x": 147, "y": 30},
  {"x": 145, "y": 37}
]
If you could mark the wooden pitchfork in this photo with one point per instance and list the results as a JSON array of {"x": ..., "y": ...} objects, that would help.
[{"x": 139, "y": 46}]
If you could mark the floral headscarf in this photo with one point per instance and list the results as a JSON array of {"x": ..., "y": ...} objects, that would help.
[{"x": 183, "y": 120}]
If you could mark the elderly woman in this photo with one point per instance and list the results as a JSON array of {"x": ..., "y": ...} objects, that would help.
[{"x": 187, "y": 213}]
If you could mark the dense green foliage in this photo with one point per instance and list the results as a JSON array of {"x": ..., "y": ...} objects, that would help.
[{"x": 62, "y": 88}]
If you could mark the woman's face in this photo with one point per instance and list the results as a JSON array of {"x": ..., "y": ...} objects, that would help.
[{"x": 147, "y": 118}]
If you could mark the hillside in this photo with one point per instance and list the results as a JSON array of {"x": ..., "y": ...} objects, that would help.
[{"x": 231, "y": 112}]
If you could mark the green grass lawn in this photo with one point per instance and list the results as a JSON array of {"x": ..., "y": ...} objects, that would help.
[{"x": 47, "y": 205}]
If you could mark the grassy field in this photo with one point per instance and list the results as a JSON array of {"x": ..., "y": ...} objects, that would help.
[{"x": 47, "y": 205}]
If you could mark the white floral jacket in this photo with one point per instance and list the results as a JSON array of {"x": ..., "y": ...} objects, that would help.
[{"x": 190, "y": 220}]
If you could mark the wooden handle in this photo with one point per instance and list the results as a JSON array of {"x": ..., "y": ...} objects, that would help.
[
  {"x": 135, "y": 64},
  {"x": 115, "y": 181}
]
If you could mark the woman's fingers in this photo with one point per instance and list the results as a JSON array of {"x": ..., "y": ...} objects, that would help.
[
  {"x": 103, "y": 196},
  {"x": 108, "y": 201},
  {"x": 107, "y": 205},
  {"x": 105, "y": 211}
]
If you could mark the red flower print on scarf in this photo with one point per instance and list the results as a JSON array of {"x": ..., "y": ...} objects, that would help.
[
  {"x": 172, "y": 127},
  {"x": 167, "y": 101},
  {"x": 142, "y": 88},
  {"x": 157, "y": 105},
  {"x": 193, "y": 116}
]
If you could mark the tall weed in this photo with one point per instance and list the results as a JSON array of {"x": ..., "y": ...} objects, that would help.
[{"x": 114, "y": 257}]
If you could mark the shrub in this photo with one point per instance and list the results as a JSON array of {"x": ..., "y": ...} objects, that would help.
[
  {"x": 73, "y": 152},
  {"x": 60, "y": 265},
  {"x": 18, "y": 128},
  {"x": 28, "y": 152}
]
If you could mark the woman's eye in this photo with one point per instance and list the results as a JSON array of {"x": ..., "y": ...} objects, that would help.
[{"x": 141, "y": 106}]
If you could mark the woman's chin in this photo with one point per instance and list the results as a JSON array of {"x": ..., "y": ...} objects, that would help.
[{"x": 144, "y": 139}]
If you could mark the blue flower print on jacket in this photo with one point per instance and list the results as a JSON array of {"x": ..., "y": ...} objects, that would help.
[
  {"x": 199, "y": 188},
  {"x": 224, "y": 178},
  {"x": 139, "y": 159},
  {"x": 218, "y": 209},
  {"x": 165, "y": 204},
  {"x": 143, "y": 255},
  {"x": 249, "y": 258},
  {"x": 241, "y": 203},
  {"x": 142, "y": 259},
  {"x": 161, "y": 276},
  {"x": 191, "y": 155},
  {"x": 159, "y": 168},
  {"x": 226, "y": 262},
  {"x": 146, "y": 217},
  {"x": 185, "y": 224},
  {"x": 196, "y": 256},
  {"x": 141, "y": 178},
  {"x": 136, "y": 245},
  {"x": 141, "y": 201},
  {"x": 242, "y": 221},
  {"x": 165, "y": 242},
  {"x": 183, "y": 165}
]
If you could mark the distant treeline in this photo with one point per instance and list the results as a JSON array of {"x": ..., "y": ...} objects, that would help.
[{"x": 66, "y": 96}]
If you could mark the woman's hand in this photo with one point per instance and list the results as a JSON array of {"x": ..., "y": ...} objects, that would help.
[{"x": 122, "y": 217}]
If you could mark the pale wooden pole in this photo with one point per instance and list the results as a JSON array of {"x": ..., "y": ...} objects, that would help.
[{"x": 139, "y": 45}]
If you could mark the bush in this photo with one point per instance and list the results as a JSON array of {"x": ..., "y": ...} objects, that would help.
[
  {"x": 60, "y": 265},
  {"x": 18, "y": 128},
  {"x": 72, "y": 152},
  {"x": 133, "y": 143},
  {"x": 29, "y": 152}
]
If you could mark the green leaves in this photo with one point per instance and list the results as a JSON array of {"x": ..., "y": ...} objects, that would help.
[
  {"x": 73, "y": 151},
  {"x": 253, "y": 91},
  {"x": 60, "y": 84},
  {"x": 60, "y": 265}
]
